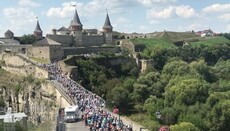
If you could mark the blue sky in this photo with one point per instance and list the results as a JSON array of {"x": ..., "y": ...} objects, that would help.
[{"x": 128, "y": 16}]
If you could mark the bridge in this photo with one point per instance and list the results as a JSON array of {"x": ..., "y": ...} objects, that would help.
[{"x": 63, "y": 100}]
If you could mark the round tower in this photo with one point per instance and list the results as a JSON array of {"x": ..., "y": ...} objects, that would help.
[
  {"x": 38, "y": 32},
  {"x": 76, "y": 28},
  {"x": 108, "y": 30}
]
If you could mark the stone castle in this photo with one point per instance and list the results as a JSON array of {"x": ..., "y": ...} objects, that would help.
[
  {"x": 73, "y": 40},
  {"x": 76, "y": 36}
]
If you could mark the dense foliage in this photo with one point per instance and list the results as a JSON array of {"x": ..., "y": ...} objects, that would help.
[
  {"x": 189, "y": 86},
  {"x": 27, "y": 39}
]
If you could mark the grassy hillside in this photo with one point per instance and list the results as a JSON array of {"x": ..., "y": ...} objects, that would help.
[
  {"x": 209, "y": 41},
  {"x": 153, "y": 42},
  {"x": 166, "y": 39},
  {"x": 179, "y": 36}
]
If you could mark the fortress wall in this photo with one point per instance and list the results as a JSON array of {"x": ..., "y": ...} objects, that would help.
[
  {"x": 120, "y": 61},
  {"x": 56, "y": 53},
  {"x": 93, "y": 40},
  {"x": 17, "y": 65},
  {"x": 131, "y": 36},
  {"x": 71, "y": 60},
  {"x": 14, "y": 48},
  {"x": 88, "y": 50},
  {"x": 127, "y": 45},
  {"x": 65, "y": 40},
  {"x": 11, "y": 59},
  {"x": 146, "y": 64},
  {"x": 41, "y": 52}
]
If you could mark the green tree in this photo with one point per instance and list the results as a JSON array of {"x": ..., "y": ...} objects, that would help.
[
  {"x": 223, "y": 69},
  {"x": 118, "y": 96},
  {"x": 187, "y": 91},
  {"x": 27, "y": 39},
  {"x": 152, "y": 105},
  {"x": 176, "y": 68},
  {"x": 184, "y": 126},
  {"x": 206, "y": 72},
  {"x": 219, "y": 117}
]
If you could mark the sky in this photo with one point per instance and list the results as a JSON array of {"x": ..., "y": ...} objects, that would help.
[{"x": 128, "y": 16}]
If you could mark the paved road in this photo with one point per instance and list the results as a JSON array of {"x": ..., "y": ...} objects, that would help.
[{"x": 77, "y": 126}]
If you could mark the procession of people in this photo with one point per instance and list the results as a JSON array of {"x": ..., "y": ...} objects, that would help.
[{"x": 92, "y": 106}]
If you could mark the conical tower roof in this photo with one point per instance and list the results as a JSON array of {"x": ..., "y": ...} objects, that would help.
[
  {"x": 76, "y": 21},
  {"x": 107, "y": 24},
  {"x": 38, "y": 28}
]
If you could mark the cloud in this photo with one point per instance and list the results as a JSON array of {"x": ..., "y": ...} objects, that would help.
[
  {"x": 183, "y": 11},
  {"x": 26, "y": 3},
  {"x": 217, "y": 8},
  {"x": 152, "y": 2},
  {"x": 92, "y": 8},
  {"x": 160, "y": 14},
  {"x": 19, "y": 18},
  {"x": 63, "y": 12},
  {"x": 18, "y": 14},
  {"x": 197, "y": 26},
  {"x": 143, "y": 28},
  {"x": 225, "y": 16},
  {"x": 120, "y": 21},
  {"x": 228, "y": 27}
]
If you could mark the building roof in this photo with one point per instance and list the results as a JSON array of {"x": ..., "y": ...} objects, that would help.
[
  {"x": 8, "y": 31},
  {"x": 38, "y": 28},
  {"x": 63, "y": 29},
  {"x": 12, "y": 117},
  {"x": 76, "y": 20},
  {"x": 107, "y": 22},
  {"x": 46, "y": 41},
  {"x": 7, "y": 41}
]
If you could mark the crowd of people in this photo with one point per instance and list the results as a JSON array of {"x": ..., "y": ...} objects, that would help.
[{"x": 92, "y": 106}]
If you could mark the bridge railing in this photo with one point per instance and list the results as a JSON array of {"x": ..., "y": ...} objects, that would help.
[{"x": 62, "y": 90}]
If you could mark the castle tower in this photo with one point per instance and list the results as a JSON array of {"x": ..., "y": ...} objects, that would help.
[
  {"x": 9, "y": 34},
  {"x": 108, "y": 30},
  {"x": 76, "y": 28},
  {"x": 38, "y": 31}
]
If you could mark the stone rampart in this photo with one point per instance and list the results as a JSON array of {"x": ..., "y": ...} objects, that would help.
[
  {"x": 15, "y": 48},
  {"x": 65, "y": 40},
  {"x": 146, "y": 64},
  {"x": 11, "y": 59},
  {"x": 88, "y": 50},
  {"x": 93, "y": 40},
  {"x": 127, "y": 45}
]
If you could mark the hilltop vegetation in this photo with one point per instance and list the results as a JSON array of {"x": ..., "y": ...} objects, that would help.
[
  {"x": 153, "y": 42},
  {"x": 188, "y": 85},
  {"x": 166, "y": 40},
  {"x": 209, "y": 41}
]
